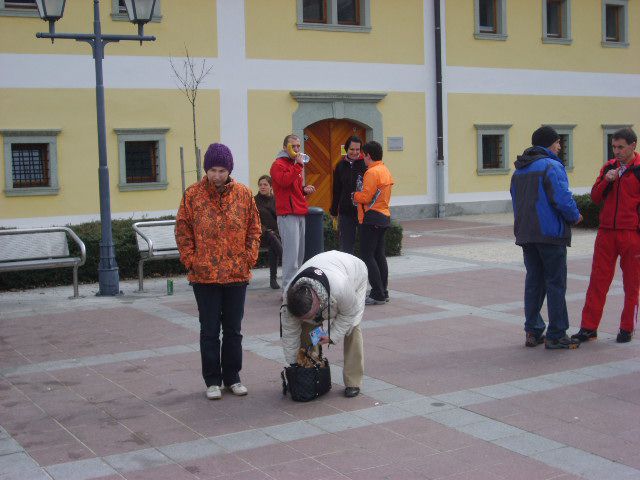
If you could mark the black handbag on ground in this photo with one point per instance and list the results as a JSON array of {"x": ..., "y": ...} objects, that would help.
[{"x": 307, "y": 383}]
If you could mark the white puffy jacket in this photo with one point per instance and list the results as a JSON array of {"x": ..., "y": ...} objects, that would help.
[{"x": 347, "y": 277}]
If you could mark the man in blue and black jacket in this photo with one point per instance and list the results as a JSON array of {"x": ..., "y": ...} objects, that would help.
[{"x": 544, "y": 210}]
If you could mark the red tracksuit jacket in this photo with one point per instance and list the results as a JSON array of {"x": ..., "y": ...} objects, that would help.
[{"x": 621, "y": 198}]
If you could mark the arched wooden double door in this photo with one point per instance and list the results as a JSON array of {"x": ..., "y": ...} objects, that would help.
[{"x": 324, "y": 143}]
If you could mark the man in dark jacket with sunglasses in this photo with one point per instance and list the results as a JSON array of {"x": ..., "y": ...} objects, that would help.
[
  {"x": 348, "y": 172},
  {"x": 544, "y": 210}
]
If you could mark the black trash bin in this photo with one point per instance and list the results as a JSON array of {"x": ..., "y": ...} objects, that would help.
[{"x": 314, "y": 233}]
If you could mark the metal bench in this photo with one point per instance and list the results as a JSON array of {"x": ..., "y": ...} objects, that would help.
[
  {"x": 40, "y": 248},
  {"x": 156, "y": 241}
]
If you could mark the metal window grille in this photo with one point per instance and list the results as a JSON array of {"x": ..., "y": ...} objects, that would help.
[
  {"x": 141, "y": 161},
  {"x": 613, "y": 23},
  {"x": 564, "y": 152},
  {"x": 30, "y": 165},
  {"x": 488, "y": 16},
  {"x": 555, "y": 18},
  {"x": 122, "y": 9},
  {"x": 610, "y": 153},
  {"x": 349, "y": 12},
  {"x": 20, "y": 4},
  {"x": 314, "y": 11},
  {"x": 492, "y": 154}
]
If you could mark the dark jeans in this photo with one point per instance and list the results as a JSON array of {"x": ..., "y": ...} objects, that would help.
[
  {"x": 546, "y": 276},
  {"x": 347, "y": 228},
  {"x": 220, "y": 305},
  {"x": 275, "y": 252},
  {"x": 373, "y": 255}
]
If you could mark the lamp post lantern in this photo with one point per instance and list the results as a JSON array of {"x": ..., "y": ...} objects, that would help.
[{"x": 139, "y": 12}]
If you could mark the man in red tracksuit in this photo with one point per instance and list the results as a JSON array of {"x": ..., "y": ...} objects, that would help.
[{"x": 618, "y": 190}]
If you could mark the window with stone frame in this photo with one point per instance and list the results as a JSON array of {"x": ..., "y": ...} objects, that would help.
[
  {"x": 31, "y": 162},
  {"x": 142, "y": 158},
  {"x": 21, "y": 4},
  {"x": 566, "y": 143},
  {"x": 19, "y": 8},
  {"x": 492, "y": 149},
  {"x": 608, "y": 131},
  {"x": 119, "y": 11},
  {"x": 615, "y": 23},
  {"x": 556, "y": 21},
  {"x": 490, "y": 19},
  {"x": 350, "y": 15}
]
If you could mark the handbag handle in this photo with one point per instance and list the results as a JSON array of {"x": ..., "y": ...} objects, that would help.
[
  {"x": 316, "y": 363},
  {"x": 284, "y": 383}
]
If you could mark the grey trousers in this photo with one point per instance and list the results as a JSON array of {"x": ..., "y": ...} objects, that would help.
[{"x": 291, "y": 229}]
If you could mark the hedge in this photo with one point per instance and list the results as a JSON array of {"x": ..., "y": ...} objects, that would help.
[
  {"x": 127, "y": 256},
  {"x": 589, "y": 211}
]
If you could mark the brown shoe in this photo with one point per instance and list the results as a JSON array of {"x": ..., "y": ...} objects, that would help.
[{"x": 533, "y": 340}]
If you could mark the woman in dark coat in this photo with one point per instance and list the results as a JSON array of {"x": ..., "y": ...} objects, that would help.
[{"x": 266, "y": 204}]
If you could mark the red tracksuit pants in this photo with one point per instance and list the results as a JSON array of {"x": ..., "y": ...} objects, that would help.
[{"x": 609, "y": 245}]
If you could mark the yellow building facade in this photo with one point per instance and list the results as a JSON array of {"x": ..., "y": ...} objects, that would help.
[{"x": 319, "y": 69}]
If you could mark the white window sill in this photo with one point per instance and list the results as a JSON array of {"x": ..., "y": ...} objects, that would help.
[
  {"x": 11, "y": 12},
  {"x": 123, "y": 17},
  {"x": 501, "y": 37},
  {"x": 133, "y": 187},
  {"x": 557, "y": 41},
  {"x": 615, "y": 44},
  {"x": 494, "y": 171},
  {"x": 334, "y": 27},
  {"x": 31, "y": 191}
]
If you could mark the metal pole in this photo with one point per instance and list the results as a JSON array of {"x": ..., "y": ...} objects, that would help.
[
  {"x": 198, "y": 165},
  {"x": 182, "y": 169},
  {"x": 108, "y": 275},
  {"x": 440, "y": 165}
]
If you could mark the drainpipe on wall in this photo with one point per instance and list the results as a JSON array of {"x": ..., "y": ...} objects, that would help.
[{"x": 440, "y": 178}]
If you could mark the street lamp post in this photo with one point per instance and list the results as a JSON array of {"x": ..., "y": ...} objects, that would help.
[{"x": 139, "y": 12}]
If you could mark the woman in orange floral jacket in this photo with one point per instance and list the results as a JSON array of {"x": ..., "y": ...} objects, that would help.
[{"x": 218, "y": 236}]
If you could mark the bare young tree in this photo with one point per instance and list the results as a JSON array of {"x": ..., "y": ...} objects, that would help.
[{"x": 189, "y": 75}]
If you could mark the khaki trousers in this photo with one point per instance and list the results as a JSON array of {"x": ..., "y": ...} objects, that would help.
[{"x": 353, "y": 370}]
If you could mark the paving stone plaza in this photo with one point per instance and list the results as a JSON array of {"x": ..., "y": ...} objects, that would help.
[{"x": 110, "y": 388}]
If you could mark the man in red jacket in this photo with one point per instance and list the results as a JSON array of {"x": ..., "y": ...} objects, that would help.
[
  {"x": 291, "y": 205},
  {"x": 618, "y": 190}
]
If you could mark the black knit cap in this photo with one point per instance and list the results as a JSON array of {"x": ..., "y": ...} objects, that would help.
[{"x": 544, "y": 137}]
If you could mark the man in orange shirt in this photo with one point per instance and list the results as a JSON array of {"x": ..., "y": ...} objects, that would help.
[{"x": 374, "y": 217}]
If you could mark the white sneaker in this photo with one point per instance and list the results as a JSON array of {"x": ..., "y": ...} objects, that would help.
[
  {"x": 214, "y": 392},
  {"x": 238, "y": 389}
]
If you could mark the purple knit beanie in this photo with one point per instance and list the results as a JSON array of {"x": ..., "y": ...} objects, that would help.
[{"x": 218, "y": 155}]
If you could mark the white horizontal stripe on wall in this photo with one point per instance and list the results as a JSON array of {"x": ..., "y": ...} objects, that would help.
[
  {"x": 540, "y": 82},
  {"x": 76, "y": 71}
]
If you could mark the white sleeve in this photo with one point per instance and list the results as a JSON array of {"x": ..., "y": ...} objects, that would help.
[{"x": 291, "y": 330}]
